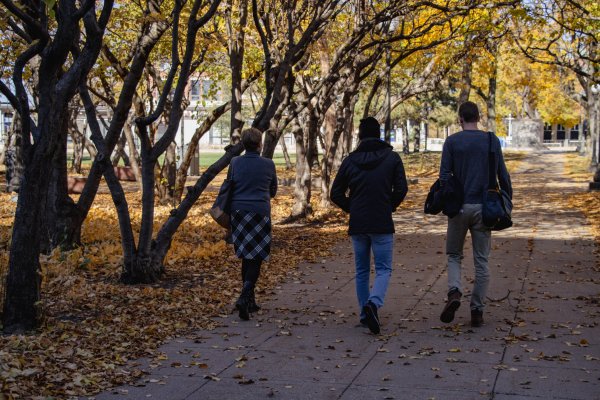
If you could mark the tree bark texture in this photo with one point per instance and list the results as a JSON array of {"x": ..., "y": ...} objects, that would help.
[
  {"x": 61, "y": 210},
  {"x": 236, "y": 61},
  {"x": 134, "y": 156},
  {"x": 303, "y": 182},
  {"x": 417, "y": 139},
  {"x": 466, "y": 80},
  {"x": 13, "y": 155},
  {"x": 286, "y": 154}
]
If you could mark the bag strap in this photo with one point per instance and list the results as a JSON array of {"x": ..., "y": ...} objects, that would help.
[{"x": 492, "y": 182}]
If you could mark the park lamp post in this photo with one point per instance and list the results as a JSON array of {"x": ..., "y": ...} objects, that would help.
[{"x": 388, "y": 71}]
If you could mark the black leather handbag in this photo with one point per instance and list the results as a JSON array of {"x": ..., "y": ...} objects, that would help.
[{"x": 221, "y": 208}]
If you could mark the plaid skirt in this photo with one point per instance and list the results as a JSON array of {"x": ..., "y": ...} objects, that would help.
[{"x": 251, "y": 234}]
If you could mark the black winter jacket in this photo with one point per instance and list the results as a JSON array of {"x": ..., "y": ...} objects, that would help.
[{"x": 374, "y": 176}]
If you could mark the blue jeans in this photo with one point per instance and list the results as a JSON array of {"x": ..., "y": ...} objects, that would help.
[{"x": 381, "y": 245}]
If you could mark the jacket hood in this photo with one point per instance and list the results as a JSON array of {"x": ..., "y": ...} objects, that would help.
[{"x": 370, "y": 153}]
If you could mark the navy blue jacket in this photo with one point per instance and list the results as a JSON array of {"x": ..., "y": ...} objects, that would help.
[
  {"x": 465, "y": 155},
  {"x": 254, "y": 183},
  {"x": 374, "y": 176}
]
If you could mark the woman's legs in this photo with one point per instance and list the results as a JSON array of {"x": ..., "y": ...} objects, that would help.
[
  {"x": 247, "y": 302},
  {"x": 251, "y": 270}
]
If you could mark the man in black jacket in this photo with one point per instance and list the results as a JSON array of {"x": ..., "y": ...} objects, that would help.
[{"x": 373, "y": 176}]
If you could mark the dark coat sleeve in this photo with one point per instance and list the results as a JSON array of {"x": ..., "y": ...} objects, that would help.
[
  {"x": 340, "y": 187},
  {"x": 446, "y": 163},
  {"x": 273, "y": 186},
  {"x": 400, "y": 187}
]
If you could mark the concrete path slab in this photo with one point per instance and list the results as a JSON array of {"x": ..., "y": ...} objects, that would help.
[{"x": 541, "y": 338}]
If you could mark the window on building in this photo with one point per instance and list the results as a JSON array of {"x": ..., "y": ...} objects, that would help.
[
  {"x": 560, "y": 133},
  {"x": 574, "y": 133},
  {"x": 547, "y": 132}
]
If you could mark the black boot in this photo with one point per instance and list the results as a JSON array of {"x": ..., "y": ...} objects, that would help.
[
  {"x": 243, "y": 302},
  {"x": 253, "y": 307}
]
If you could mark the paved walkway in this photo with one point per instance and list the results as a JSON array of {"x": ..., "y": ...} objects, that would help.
[{"x": 541, "y": 339}]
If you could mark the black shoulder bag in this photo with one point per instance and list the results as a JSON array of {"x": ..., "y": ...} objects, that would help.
[
  {"x": 497, "y": 205},
  {"x": 221, "y": 208}
]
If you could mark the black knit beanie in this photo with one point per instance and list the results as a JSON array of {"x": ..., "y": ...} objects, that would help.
[{"x": 368, "y": 128}]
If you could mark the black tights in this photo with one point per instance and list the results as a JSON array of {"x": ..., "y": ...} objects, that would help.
[{"x": 250, "y": 270}]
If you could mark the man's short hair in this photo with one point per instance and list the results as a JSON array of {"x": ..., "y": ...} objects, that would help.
[
  {"x": 251, "y": 139},
  {"x": 369, "y": 128},
  {"x": 468, "y": 111}
]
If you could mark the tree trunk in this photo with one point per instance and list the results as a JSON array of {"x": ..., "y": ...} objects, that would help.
[
  {"x": 120, "y": 153},
  {"x": 593, "y": 111},
  {"x": 79, "y": 144},
  {"x": 13, "y": 158},
  {"x": 236, "y": 61},
  {"x": 349, "y": 137},
  {"x": 20, "y": 312},
  {"x": 406, "y": 141},
  {"x": 466, "y": 80},
  {"x": 61, "y": 211},
  {"x": 425, "y": 135},
  {"x": 491, "y": 105},
  {"x": 342, "y": 117},
  {"x": 165, "y": 182},
  {"x": 312, "y": 148},
  {"x": 77, "y": 154},
  {"x": 417, "y": 139},
  {"x": 329, "y": 150},
  {"x": 141, "y": 268},
  {"x": 303, "y": 182},
  {"x": 134, "y": 156},
  {"x": 286, "y": 155},
  {"x": 371, "y": 96}
]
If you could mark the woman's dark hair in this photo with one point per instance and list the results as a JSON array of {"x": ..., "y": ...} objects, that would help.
[
  {"x": 251, "y": 139},
  {"x": 469, "y": 112}
]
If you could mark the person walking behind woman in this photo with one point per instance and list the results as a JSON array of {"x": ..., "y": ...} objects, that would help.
[
  {"x": 370, "y": 185},
  {"x": 465, "y": 156},
  {"x": 254, "y": 183}
]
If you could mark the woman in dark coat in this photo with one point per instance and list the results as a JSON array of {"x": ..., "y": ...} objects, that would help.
[{"x": 254, "y": 184}]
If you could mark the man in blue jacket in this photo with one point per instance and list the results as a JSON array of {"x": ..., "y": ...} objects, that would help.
[
  {"x": 465, "y": 156},
  {"x": 373, "y": 176}
]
